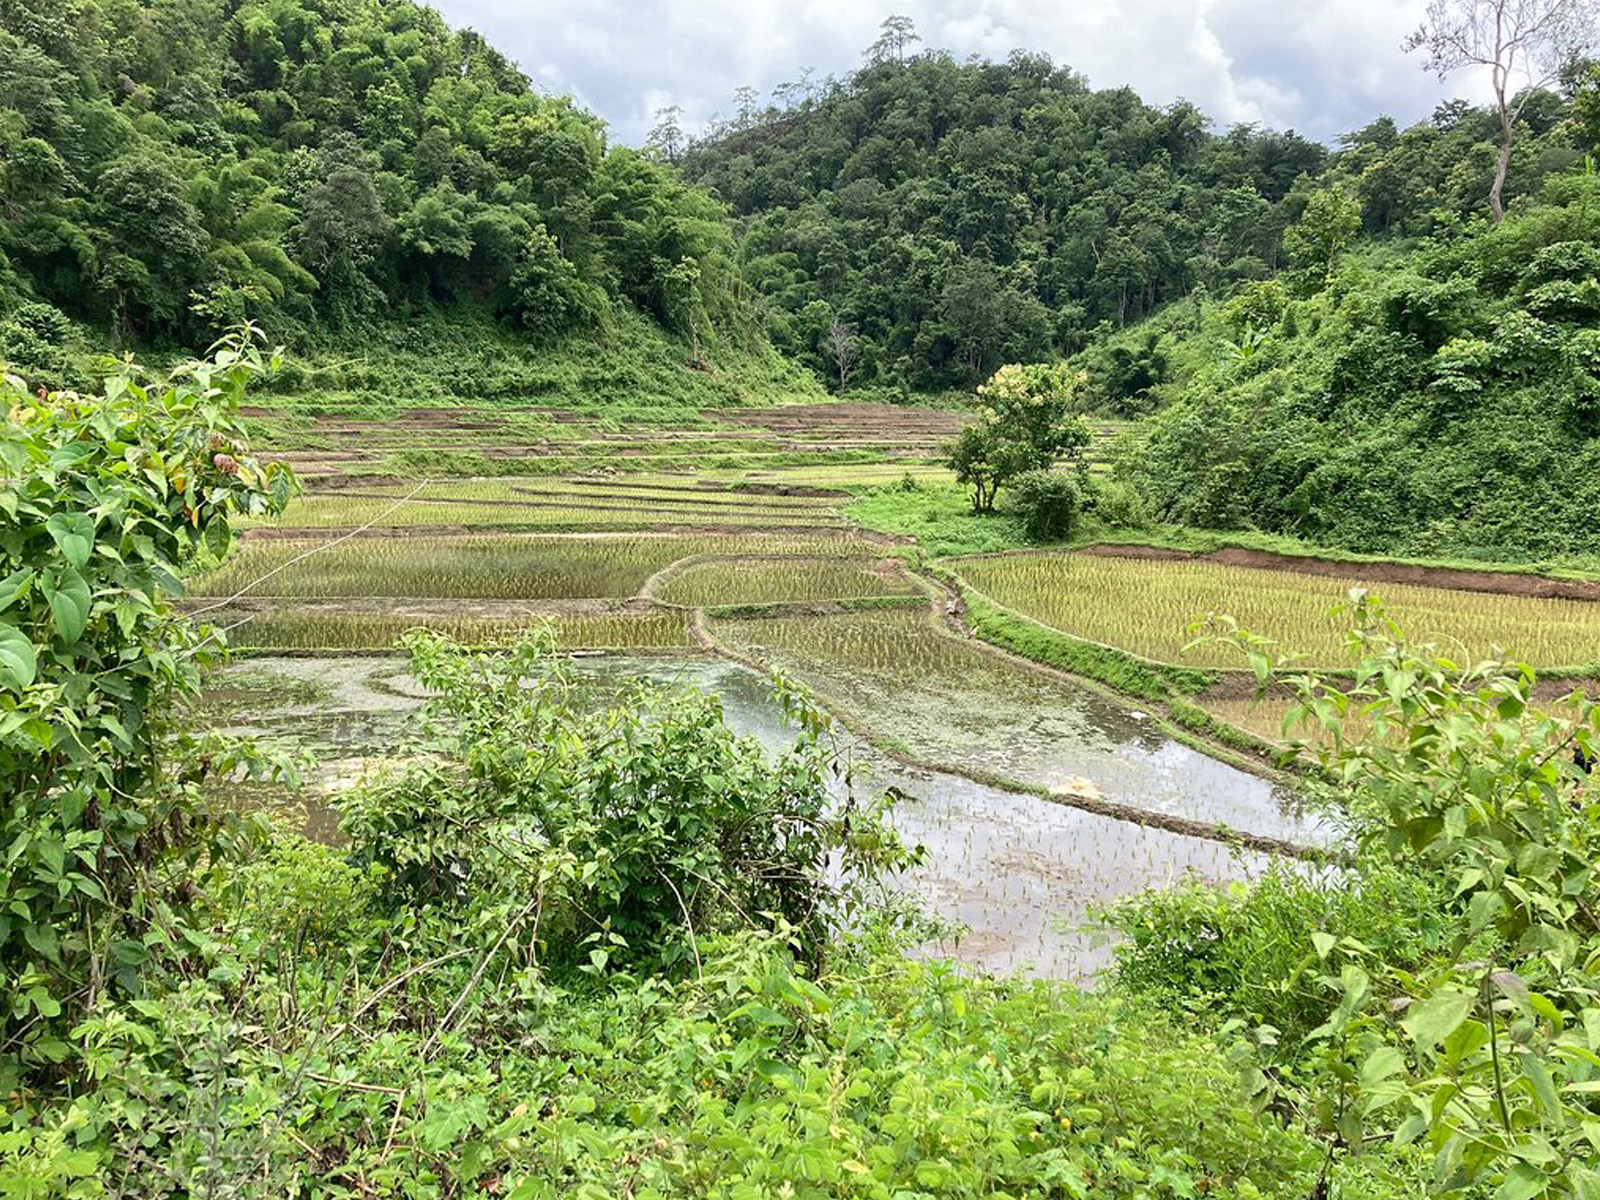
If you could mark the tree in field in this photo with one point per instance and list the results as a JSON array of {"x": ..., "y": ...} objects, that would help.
[
  {"x": 1314, "y": 243},
  {"x": 1523, "y": 43},
  {"x": 844, "y": 347},
  {"x": 1026, "y": 422},
  {"x": 896, "y": 34}
]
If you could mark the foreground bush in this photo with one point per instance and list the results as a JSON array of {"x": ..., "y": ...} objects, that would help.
[
  {"x": 749, "y": 1076},
  {"x": 1049, "y": 504},
  {"x": 105, "y": 500},
  {"x": 590, "y": 950},
  {"x": 1438, "y": 990}
]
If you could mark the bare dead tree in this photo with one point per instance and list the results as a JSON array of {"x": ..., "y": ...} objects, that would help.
[
  {"x": 1523, "y": 43},
  {"x": 842, "y": 344}
]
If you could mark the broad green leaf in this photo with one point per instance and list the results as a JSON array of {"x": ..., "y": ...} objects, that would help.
[
  {"x": 1437, "y": 1017},
  {"x": 1380, "y": 1065},
  {"x": 1543, "y": 1086},
  {"x": 1522, "y": 1182},
  {"x": 18, "y": 663},
  {"x": 70, "y": 601},
  {"x": 14, "y": 586},
  {"x": 43, "y": 939},
  {"x": 74, "y": 534}
]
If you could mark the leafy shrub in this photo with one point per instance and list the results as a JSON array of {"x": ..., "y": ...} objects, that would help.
[
  {"x": 1249, "y": 951},
  {"x": 1118, "y": 505},
  {"x": 1049, "y": 504},
  {"x": 35, "y": 338},
  {"x": 630, "y": 832},
  {"x": 1487, "y": 1052},
  {"x": 108, "y": 498}
]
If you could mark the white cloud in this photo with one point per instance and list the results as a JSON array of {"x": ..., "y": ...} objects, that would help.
[{"x": 1321, "y": 66}]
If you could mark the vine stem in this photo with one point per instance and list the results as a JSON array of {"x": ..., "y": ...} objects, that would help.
[{"x": 1494, "y": 1051}]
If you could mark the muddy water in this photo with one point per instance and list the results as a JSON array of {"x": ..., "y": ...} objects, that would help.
[
  {"x": 961, "y": 707},
  {"x": 1018, "y": 872}
]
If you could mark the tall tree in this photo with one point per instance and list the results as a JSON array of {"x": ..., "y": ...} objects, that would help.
[
  {"x": 896, "y": 33},
  {"x": 1523, "y": 43},
  {"x": 744, "y": 101},
  {"x": 844, "y": 347},
  {"x": 666, "y": 135}
]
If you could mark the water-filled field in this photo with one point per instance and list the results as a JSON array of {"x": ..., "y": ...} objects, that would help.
[
  {"x": 1019, "y": 872},
  {"x": 955, "y": 703},
  {"x": 1036, "y": 796},
  {"x": 778, "y": 580}
]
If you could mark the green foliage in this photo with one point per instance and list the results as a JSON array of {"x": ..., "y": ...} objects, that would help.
[
  {"x": 1116, "y": 505},
  {"x": 961, "y": 215},
  {"x": 939, "y": 517},
  {"x": 1249, "y": 952},
  {"x": 1439, "y": 402},
  {"x": 1439, "y": 987},
  {"x": 107, "y": 499},
  {"x": 326, "y": 169},
  {"x": 630, "y": 839},
  {"x": 627, "y": 368},
  {"x": 877, "y": 1076},
  {"x": 1314, "y": 243},
  {"x": 542, "y": 979},
  {"x": 1049, "y": 504}
]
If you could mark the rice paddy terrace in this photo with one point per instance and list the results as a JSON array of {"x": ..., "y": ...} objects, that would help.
[{"x": 718, "y": 551}]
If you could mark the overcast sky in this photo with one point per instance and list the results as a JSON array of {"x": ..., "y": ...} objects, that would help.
[{"x": 1322, "y": 67}]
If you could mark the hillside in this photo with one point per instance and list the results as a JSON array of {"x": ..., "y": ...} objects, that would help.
[
  {"x": 1438, "y": 400},
  {"x": 342, "y": 172},
  {"x": 1339, "y": 344},
  {"x": 955, "y": 216}
]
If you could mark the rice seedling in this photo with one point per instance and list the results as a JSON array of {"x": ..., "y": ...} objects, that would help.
[
  {"x": 471, "y": 566},
  {"x": 773, "y": 581},
  {"x": 565, "y": 504},
  {"x": 1148, "y": 607},
  {"x": 335, "y": 630}
]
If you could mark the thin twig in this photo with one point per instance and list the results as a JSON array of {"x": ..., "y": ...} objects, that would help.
[
  {"x": 699, "y": 971},
  {"x": 483, "y": 965},
  {"x": 394, "y": 983}
]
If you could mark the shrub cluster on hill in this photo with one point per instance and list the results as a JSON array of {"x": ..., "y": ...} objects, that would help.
[{"x": 1441, "y": 400}]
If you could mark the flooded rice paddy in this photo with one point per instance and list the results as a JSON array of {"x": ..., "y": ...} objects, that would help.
[
  {"x": 1036, "y": 798},
  {"x": 956, "y": 704},
  {"x": 1019, "y": 872}
]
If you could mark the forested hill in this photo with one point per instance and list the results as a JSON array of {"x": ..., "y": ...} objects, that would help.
[
  {"x": 327, "y": 167},
  {"x": 955, "y": 216}
]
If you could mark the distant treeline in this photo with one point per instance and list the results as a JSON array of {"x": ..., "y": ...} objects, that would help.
[
  {"x": 954, "y": 216},
  {"x": 168, "y": 167}
]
